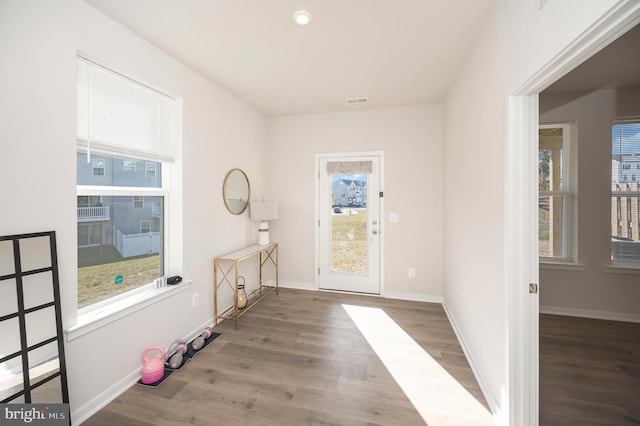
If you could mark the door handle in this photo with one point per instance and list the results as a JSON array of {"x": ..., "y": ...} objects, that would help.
[{"x": 374, "y": 232}]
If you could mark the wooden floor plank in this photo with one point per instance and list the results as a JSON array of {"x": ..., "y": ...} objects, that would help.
[
  {"x": 352, "y": 407},
  {"x": 298, "y": 359},
  {"x": 588, "y": 372}
]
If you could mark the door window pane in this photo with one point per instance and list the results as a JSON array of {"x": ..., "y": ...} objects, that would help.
[{"x": 349, "y": 224}]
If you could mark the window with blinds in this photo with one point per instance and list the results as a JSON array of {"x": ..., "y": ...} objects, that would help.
[
  {"x": 625, "y": 190},
  {"x": 115, "y": 113},
  {"x": 125, "y": 133}
]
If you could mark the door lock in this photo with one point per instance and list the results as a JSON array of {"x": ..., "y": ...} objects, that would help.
[{"x": 374, "y": 232}]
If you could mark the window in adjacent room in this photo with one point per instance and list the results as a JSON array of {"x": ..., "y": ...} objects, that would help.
[
  {"x": 625, "y": 191},
  {"x": 122, "y": 211},
  {"x": 556, "y": 210}
]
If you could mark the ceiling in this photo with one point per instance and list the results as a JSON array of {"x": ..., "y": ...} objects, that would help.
[
  {"x": 617, "y": 65},
  {"x": 399, "y": 52}
]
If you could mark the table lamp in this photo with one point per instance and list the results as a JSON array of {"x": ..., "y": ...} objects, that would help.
[{"x": 263, "y": 211}]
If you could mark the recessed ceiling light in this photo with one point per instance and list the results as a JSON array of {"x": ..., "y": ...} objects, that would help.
[{"x": 301, "y": 17}]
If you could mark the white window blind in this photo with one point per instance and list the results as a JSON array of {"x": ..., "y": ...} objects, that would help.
[
  {"x": 625, "y": 149},
  {"x": 116, "y": 114}
]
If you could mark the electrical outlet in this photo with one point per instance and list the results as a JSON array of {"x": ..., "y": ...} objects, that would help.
[
  {"x": 412, "y": 272},
  {"x": 394, "y": 217},
  {"x": 195, "y": 299}
]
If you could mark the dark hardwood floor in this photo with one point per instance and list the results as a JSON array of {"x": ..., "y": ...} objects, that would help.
[
  {"x": 589, "y": 372},
  {"x": 299, "y": 359}
]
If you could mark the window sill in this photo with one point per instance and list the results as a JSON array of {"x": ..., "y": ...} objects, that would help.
[
  {"x": 560, "y": 265},
  {"x": 99, "y": 316},
  {"x": 629, "y": 268}
]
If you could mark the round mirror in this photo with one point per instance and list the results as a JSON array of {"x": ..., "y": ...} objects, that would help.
[{"x": 235, "y": 191}]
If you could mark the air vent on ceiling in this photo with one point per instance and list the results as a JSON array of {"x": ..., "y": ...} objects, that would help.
[{"x": 362, "y": 100}]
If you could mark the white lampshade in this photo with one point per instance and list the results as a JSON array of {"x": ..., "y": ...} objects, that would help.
[{"x": 263, "y": 210}]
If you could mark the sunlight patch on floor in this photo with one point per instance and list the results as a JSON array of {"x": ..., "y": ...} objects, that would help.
[{"x": 437, "y": 396}]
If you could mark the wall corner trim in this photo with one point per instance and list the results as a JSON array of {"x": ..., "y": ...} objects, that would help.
[{"x": 493, "y": 405}]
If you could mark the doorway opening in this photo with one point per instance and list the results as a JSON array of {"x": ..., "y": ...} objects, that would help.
[
  {"x": 582, "y": 335},
  {"x": 522, "y": 208}
]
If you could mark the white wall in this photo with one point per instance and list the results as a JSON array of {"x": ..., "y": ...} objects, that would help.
[
  {"x": 39, "y": 40},
  {"x": 517, "y": 44},
  {"x": 593, "y": 292},
  {"x": 474, "y": 208},
  {"x": 411, "y": 138}
]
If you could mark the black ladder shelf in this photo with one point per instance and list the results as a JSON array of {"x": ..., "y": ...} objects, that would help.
[{"x": 22, "y": 312}]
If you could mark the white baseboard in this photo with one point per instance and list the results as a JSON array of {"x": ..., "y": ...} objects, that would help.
[
  {"x": 83, "y": 413},
  {"x": 415, "y": 297},
  {"x": 488, "y": 396},
  {"x": 96, "y": 404},
  {"x": 584, "y": 313},
  {"x": 296, "y": 286}
]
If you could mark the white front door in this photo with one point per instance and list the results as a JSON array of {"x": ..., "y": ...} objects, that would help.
[{"x": 349, "y": 223}]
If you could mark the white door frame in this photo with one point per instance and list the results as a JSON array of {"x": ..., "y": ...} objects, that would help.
[
  {"x": 316, "y": 240},
  {"x": 521, "y": 224}
]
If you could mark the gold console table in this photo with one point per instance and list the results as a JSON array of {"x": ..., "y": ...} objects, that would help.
[{"x": 225, "y": 270}]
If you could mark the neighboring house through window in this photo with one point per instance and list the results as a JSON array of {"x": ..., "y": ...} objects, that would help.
[
  {"x": 556, "y": 209},
  {"x": 122, "y": 232}
]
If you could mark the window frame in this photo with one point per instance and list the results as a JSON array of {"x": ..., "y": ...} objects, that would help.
[
  {"x": 568, "y": 194},
  {"x": 620, "y": 265},
  {"x": 150, "y": 156}
]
